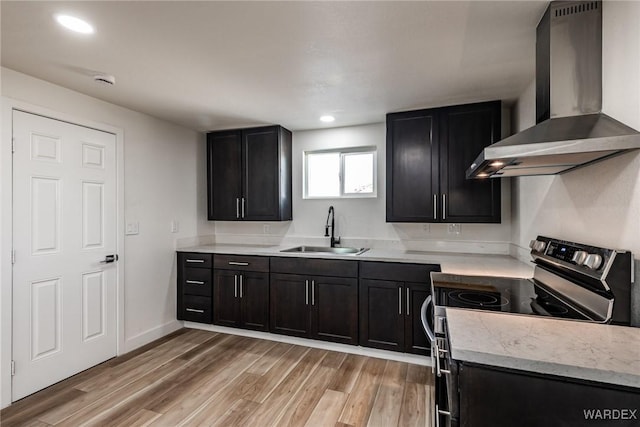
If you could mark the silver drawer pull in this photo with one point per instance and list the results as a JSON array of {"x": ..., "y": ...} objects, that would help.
[
  {"x": 198, "y": 261},
  {"x": 195, "y": 282},
  {"x": 238, "y": 263},
  {"x": 193, "y": 310},
  {"x": 445, "y": 371}
]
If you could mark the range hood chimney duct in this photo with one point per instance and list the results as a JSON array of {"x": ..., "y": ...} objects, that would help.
[{"x": 571, "y": 129}]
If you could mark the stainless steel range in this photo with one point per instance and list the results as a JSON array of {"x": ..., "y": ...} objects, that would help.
[{"x": 571, "y": 281}]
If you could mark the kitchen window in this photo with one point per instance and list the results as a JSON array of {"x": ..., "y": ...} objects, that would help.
[{"x": 340, "y": 173}]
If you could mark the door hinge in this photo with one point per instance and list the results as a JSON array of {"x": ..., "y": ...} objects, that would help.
[
  {"x": 13, "y": 256},
  {"x": 13, "y": 368},
  {"x": 13, "y": 145}
]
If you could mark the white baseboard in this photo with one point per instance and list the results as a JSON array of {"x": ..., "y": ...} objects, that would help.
[
  {"x": 324, "y": 345},
  {"x": 146, "y": 337}
]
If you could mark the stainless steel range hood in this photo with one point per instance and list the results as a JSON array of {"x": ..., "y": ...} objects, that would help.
[{"x": 571, "y": 131}]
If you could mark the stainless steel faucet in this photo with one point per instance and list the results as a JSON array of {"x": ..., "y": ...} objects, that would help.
[{"x": 331, "y": 215}]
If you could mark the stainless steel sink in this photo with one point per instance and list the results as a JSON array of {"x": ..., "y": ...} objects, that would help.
[{"x": 326, "y": 250}]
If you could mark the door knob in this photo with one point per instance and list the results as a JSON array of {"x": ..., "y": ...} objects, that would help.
[{"x": 109, "y": 259}]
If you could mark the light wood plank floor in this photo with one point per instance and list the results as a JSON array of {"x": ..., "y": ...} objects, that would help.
[{"x": 195, "y": 377}]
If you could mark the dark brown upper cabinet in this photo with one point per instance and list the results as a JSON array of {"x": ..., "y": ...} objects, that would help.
[
  {"x": 249, "y": 174},
  {"x": 428, "y": 152}
]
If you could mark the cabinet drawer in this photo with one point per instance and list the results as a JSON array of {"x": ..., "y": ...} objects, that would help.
[
  {"x": 196, "y": 309},
  {"x": 195, "y": 259},
  {"x": 397, "y": 271},
  {"x": 315, "y": 267},
  {"x": 241, "y": 263},
  {"x": 197, "y": 281}
]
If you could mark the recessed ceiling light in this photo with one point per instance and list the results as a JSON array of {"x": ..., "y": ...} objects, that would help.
[
  {"x": 74, "y": 24},
  {"x": 496, "y": 164},
  {"x": 327, "y": 119}
]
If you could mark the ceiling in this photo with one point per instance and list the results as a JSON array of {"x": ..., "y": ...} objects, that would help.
[{"x": 213, "y": 65}]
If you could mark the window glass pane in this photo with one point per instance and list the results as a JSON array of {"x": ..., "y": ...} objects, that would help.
[
  {"x": 323, "y": 175},
  {"x": 358, "y": 173}
]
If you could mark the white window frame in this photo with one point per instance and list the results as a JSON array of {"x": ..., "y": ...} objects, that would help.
[{"x": 342, "y": 151}]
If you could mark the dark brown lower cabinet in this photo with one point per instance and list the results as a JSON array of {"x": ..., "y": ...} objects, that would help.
[
  {"x": 289, "y": 306},
  {"x": 316, "y": 307},
  {"x": 241, "y": 299},
  {"x": 493, "y": 397},
  {"x": 389, "y": 309},
  {"x": 381, "y": 318},
  {"x": 194, "y": 291}
]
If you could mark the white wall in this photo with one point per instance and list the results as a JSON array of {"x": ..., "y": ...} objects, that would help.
[
  {"x": 598, "y": 204},
  {"x": 163, "y": 181},
  {"x": 362, "y": 221}
]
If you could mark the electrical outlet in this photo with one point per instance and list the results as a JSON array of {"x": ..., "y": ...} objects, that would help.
[
  {"x": 175, "y": 226},
  {"x": 266, "y": 229},
  {"x": 132, "y": 228},
  {"x": 425, "y": 228},
  {"x": 454, "y": 228}
]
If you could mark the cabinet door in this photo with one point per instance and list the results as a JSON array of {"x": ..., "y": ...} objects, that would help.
[
  {"x": 334, "y": 309},
  {"x": 261, "y": 156},
  {"x": 412, "y": 166},
  {"x": 465, "y": 131},
  {"x": 289, "y": 304},
  {"x": 381, "y": 314},
  {"x": 416, "y": 340},
  {"x": 532, "y": 400},
  {"x": 254, "y": 301},
  {"x": 224, "y": 175},
  {"x": 226, "y": 306}
]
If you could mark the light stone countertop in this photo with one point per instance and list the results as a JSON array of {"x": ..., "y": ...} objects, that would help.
[
  {"x": 575, "y": 349},
  {"x": 454, "y": 263}
]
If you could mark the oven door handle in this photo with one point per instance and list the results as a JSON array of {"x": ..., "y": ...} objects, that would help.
[{"x": 425, "y": 319}]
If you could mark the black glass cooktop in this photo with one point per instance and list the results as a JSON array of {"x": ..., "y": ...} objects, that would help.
[{"x": 504, "y": 294}]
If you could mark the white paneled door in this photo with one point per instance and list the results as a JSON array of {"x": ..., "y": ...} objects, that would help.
[{"x": 64, "y": 232}]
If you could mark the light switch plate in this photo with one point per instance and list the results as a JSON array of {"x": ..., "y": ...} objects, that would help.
[
  {"x": 175, "y": 226},
  {"x": 132, "y": 228},
  {"x": 454, "y": 228}
]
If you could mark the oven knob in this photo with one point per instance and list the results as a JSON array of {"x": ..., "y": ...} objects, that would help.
[
  {"x": 579, "y": 257},
  {"x": 593, "y": 261},
  {"x": 537, "y": 245}
]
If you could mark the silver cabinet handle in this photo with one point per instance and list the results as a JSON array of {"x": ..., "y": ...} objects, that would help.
[
  {"x": 238, "y": 263},
  {"x": 435, "y": 206},
  {"x": 193, "y": 310},
  {"x": 237, "y": 207},
  {"x": 407, "y": 301},
  {"x": 444, "y": 206},
  {"x": 197, "y": 261},
  {"x": 243, "y": 207},
  {"x": 436, "y": 413},
  {"x": 235, "y": 286},
  {"x": 195, "y": 282},
  {"x": 306, "y": 292},
  {"x": 400, "y": 300},
  {"x": 313, "y": 292},
  {"x": 241, "y": 281},
  {"x": 438, "y": 372}
]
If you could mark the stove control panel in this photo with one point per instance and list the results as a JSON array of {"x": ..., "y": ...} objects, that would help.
[{"x": 583, "y": 256}]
